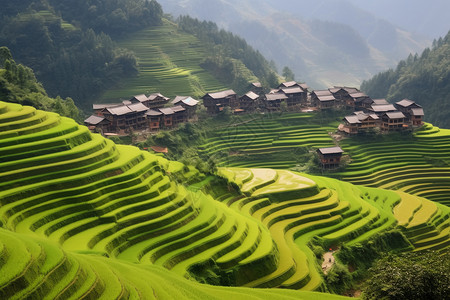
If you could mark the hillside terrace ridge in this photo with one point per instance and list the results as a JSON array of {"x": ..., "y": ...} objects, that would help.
[{"x": 151, "y": 112}]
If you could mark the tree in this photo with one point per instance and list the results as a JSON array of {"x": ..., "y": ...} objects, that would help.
[
  {"x": 410, "y": 276},
  {"x": 288, "y": 74}
]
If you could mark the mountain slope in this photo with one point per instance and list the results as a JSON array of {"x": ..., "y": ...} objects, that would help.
[
  {"x": 424, "y": 78},
  {"x": 324, "y": 42}
]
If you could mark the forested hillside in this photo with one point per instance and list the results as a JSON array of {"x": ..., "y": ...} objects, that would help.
[
  {"x": 19, "y": 85},
  {"x": 78, "y": 55},
  {"x": 423, "y": 78},
  {"x": 74, "y": 57}
]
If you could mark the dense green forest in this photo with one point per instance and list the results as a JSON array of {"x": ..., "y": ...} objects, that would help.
[
  {"x": 19, "y": 85},
  {"x": 225, "y": 46},
  {"x": 71, "y": 59},
  {"x": 423, "y": 78}
]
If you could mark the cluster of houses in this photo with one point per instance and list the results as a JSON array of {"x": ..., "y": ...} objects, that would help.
[
  {"x": 403, "y": 115},
  {"x": 293, "y": 94},
  {"x": 142, "y": 113},
  {"x": 157, "y": 112}
]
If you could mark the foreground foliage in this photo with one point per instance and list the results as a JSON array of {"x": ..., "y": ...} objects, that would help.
[
  {"x": 18, "y": 84},
  {"x": 410, "y": 276}
]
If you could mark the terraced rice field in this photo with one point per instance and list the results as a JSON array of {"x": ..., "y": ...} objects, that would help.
[
  {"x": 419, "y": 166},
  {"x": 169, "y": 63},
  {"x": 33, "y": 268},
  {"x": 83, "y": 217},
  {"x": 298, "y": 208},
  {"x": 268, "y": 141}
]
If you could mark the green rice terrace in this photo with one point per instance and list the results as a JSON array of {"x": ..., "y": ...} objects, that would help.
[
  {"x": 417, "y": 163},
  {"x": 269, "y": 141},
  {"x": 169, "y": 61},
  {"x": 81, "y": 217}
]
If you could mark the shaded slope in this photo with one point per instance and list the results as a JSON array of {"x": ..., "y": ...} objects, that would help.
[{"x": 417, "y": 164}]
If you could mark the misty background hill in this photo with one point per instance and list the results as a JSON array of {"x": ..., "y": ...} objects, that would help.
[{"x": 327, "y": 42}]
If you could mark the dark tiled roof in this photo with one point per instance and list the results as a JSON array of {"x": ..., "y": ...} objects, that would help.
[
  {"x": 293, "y": 90},
  {"x": 288, "y": 84},
  {"x": 177, "y": 108},
  {"x": 138, "y": 107},
  {"x": 383, "y": 108},
  {"x": 94, "y": 120},
  {"x": 322, "y": 92},
  {"x": 395, "y": 115},
  {"x": 140, "y": 98},
  {"x": 220, "y": 95},
  {"x": 380, "y": 102},
  {"x": 166, "y": 111},
  {"x": 352, "y": 119},
  {"x": 304, "y": 86},
  {"x": 155, "y": 96},
  {"x": 152, "y": 113},
  {"x": 276, "y": 96},
  {"x": 179, "y": 99},
  {"x": 358, "y": 95},
  {"x": 119, "y": 110},
  {"x": 325, "y": 98},
  {"x": 331, "y": 150},
  {"x": 417, "y": 111},
  {"x": 252, "y": 95},
  {"x": 406, "y": 103},
  {"x": 106, "y": 105}
]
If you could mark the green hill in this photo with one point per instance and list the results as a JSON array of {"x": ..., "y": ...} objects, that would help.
[
  {"x": 423, "y": 78},
  {"x": 62, "y": 185},
  {"x": 85, "y": 51},
  {"x": 169, "y": 63}
]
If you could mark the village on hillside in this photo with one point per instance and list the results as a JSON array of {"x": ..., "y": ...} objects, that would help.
[{"x": 156, "y": 112}]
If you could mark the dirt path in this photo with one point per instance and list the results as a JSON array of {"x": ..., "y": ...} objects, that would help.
[{"x": 328, "y": 261}]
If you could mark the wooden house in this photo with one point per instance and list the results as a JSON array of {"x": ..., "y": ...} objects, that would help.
[
  {"x": 342, "y": 95},
  {"x": 272, "y": 101},
  {"x": 330, "y": 158},
  {"x": 215, "y": 102},
  {"x": 179, "y": 116},
  {"x": 288, "y": 84},
  {"x": 139, "y": 99},
  {"x": 296, "y": 95},
  {"x": 359, "y": 122},
  {"x": 98, "y": 108},
  {"x": 380, "y": 102},
  {"x": 249, "y": 102},
  {"x": 154, "y": 119},
  {"x": 137, "y": 118},
  {"x": 382, "y": 108},
  {"x": 188, "y": 103},
  {"x": 167, "y": 117},
  {"x": 323, "y": 99},
  {"x": 156, "y": 100},
  {"x": 359, "y": 101},
  {"x": 118, "y": 118},
  {"x": 351, "y": 125},
  {"x": 412, "y": 111},
  {"x": 256, "y": 87},
  {"x": 368, "y": 121},
  {"x": 304, "y": 87},
  {"x": 98, "y": 123},
  {"x": 393, "y": 121}
]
